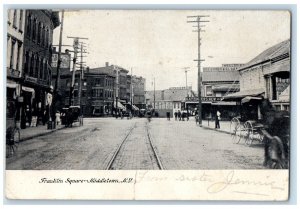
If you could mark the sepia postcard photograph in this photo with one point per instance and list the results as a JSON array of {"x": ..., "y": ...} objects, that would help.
[{"x": 147, "y": 104}]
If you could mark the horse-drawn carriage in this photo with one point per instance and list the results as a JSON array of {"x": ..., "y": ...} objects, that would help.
[
  {"x": 71, "y": 115},
  {"x": 273, "y": 129}
]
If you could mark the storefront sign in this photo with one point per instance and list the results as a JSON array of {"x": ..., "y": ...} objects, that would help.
[
  {"x": 65, "y": 60},
  {"x": 204, "y": 99},
  {"x": 31, "y": 79}
]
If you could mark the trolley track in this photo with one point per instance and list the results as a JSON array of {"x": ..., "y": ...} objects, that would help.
[{"x": 117, "y": 153}]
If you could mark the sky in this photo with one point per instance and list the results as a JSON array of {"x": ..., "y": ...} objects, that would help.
[{"x": 160, "y": 43}]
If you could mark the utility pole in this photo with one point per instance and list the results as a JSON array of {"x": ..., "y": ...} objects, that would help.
[
  {"x": 76, "y": 47},
  {"x": 197, "y": 19},
  {"x": 186, "y": 87},
  {"x": 55, "y": 95},
  {"x": 131, "y": 91},
  {"x": 154, "y": 95}
]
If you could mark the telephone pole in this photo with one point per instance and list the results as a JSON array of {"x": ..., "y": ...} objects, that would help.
[
  {"x": 55, "y": 94},
  {"x": 186, "y": 87},
  {"x": 76, "y": 47},
  {"x": 154, "y": 95},
  {"x": 197, "y": 19}
]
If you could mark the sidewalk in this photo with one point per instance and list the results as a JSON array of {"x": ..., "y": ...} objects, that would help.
[
  {"x": 224, "y": 126},
  {"x": 32, "y": 132}
]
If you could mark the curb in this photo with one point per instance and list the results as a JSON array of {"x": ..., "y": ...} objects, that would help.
[
  {"x": 219, "y": 130},
  {"x": 40, "y": 134}
]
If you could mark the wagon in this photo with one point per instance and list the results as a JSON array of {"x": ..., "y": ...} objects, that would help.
[
  {"x": 273, "y": 130},
  {"x": 72, "y": 115}
]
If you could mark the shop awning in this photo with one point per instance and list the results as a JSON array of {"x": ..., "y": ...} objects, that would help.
[
  {"x": 224, "y": 103},
  {"x": 241, "y": 94},
  {"x": 28, "y": 89},
  {"x": 120, "y": 106},
  {"x": 135, "y": 107},
  {"x": 248, "y": 99},
  {"x": 12, "y": 85}
]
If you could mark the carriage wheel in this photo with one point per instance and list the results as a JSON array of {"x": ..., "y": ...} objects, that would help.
[
  {"x": 235, "y": 130},
  {"x": 248, "y": 131}
]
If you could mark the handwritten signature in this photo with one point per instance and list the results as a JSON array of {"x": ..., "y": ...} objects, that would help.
[{"x": 215, "y": 185}]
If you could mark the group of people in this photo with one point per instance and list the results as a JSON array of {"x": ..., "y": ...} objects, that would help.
[{"x": 180, "y": 116}]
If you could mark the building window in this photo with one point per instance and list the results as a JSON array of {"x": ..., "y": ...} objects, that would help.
[
  {"x": 42, "y": 35},
  {"x": 41, "y": 70},
  {"x": 8, "y": 16},
  {"x": 21, "y": 21},
  {"x": 37, "y": 65},
  {"x": 209, "y": 91},
  {"x": 18, "y": 55},
  {"x": 15, "y": 19},
  {"x": 34, "y": 26},
  {"x": 28, "y": 26},
  {"x": 46, "y": 38},
  {"x": 45, "y": 70},
  {"x": 31, "y": 66},
  {"x": 39, "y": 33},
  {"x": 12, "y": 53}
]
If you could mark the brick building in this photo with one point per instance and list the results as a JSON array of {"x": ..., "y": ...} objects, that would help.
[
  {"x": 100, "y": 92},
  {"x": 267, "y": 76},
  {"x": 36, "y": 74}
]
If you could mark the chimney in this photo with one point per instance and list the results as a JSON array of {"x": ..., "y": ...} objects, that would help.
[
  {"x": 106, "y": 64},
  {"x": 162, "y": 95}
]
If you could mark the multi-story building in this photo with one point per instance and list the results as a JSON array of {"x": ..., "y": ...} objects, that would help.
[
  {"x": 14, "y": 60},
  {"x": 121, "y": 93},
  {"x": 138, "y": 87},
  {"x": 267, "y": 76},
  {"x": 36, "y": 88},
  {"x": 216, "y": 83},
  {"x": 100, "y": 86}
]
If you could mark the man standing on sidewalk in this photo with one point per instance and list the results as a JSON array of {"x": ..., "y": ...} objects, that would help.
[{"x": 218, "y": 118}]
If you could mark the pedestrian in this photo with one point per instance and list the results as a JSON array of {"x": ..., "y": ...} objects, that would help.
[
  {"x": 168, "y": 115},
  {"x": 57, "y": 118},
  {"x": 218, "y": 118},
  {"x": 182, "y": 115},
  {"x": 175, "y": 114},
  {"x": 187, "y": 116},
  {"x": 179, "y": 115}
]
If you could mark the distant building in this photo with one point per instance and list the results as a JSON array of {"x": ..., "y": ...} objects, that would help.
[
  {"x": 139, "y": 85},
  {"x": 100, "y": 92},
  {"x": 168, "y": 100}
]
